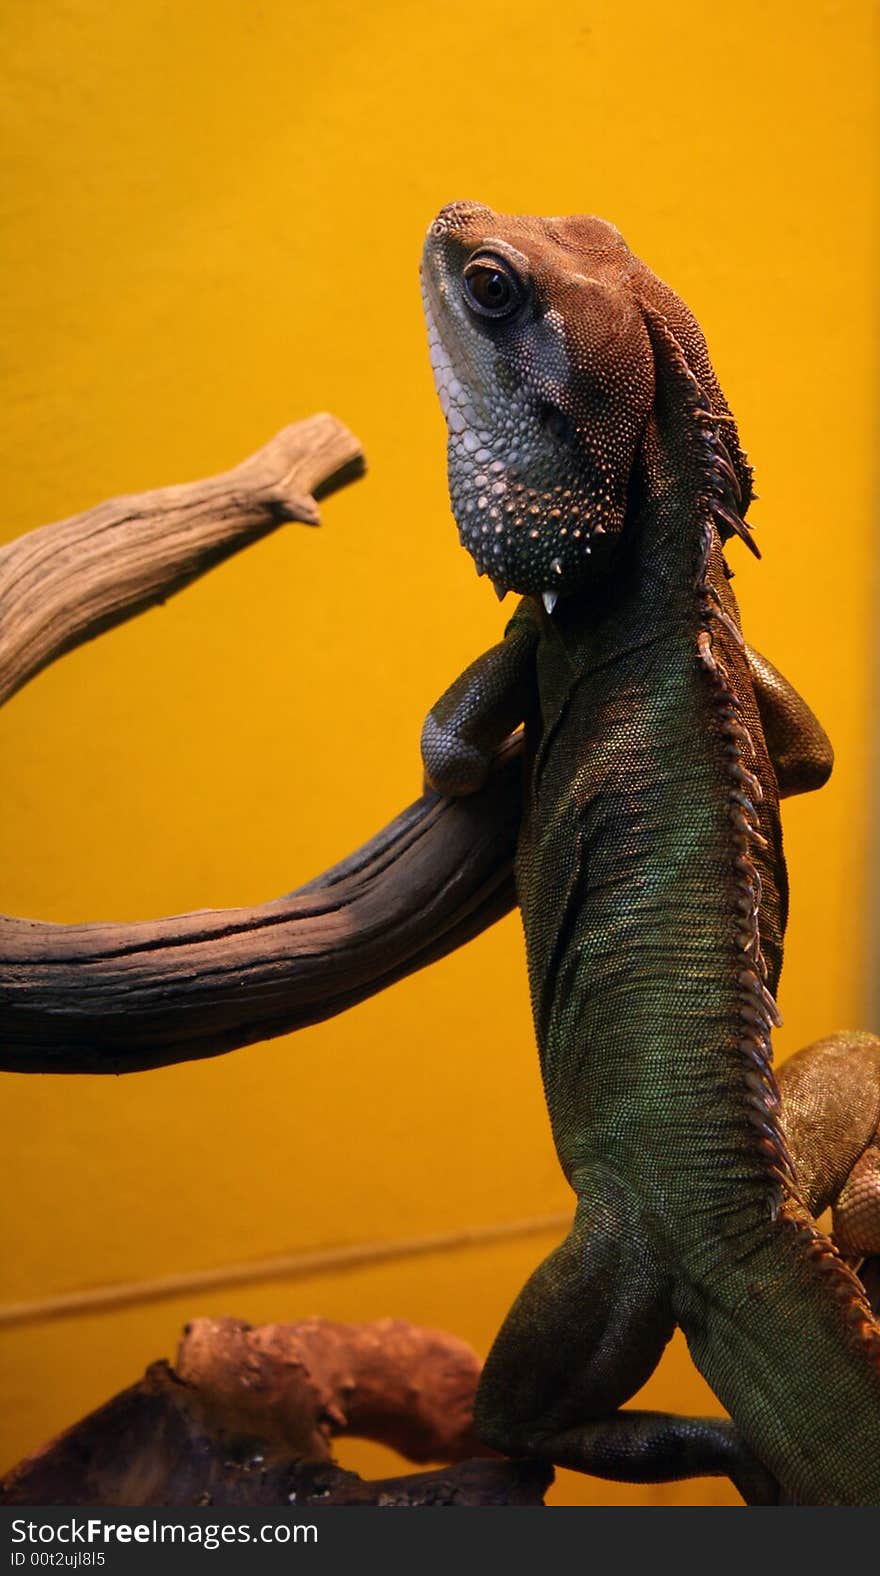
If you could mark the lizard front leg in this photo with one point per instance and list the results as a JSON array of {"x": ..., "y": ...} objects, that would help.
[
  {"x": 484, "y": 704},
  {"x": 492, "y": 696},
  {"x": 798, "y": 745}
]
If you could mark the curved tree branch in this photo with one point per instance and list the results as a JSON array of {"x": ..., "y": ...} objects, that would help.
[
  {"x": 65, "y": 583},
  {"x": 122, "y": 998}
]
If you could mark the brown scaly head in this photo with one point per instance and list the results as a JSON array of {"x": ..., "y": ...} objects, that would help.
[{"x": 545, "y": 368}]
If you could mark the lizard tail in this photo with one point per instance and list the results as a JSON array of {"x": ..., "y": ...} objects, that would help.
[{"x": 818, "y": 1429}]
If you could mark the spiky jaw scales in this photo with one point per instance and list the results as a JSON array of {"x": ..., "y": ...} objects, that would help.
[{"x": 534, "y": 497}]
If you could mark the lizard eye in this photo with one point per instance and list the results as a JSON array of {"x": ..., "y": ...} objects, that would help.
[{"x": 490, "y": 286}]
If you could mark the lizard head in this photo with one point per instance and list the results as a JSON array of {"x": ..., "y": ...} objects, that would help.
[{"x": 545, "y": 368}]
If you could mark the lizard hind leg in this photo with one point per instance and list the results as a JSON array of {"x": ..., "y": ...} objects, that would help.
[{"x": 584, "y": 1334}]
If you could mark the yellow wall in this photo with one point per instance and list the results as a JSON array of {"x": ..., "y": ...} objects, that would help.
[{"x": 213, "y": 214}]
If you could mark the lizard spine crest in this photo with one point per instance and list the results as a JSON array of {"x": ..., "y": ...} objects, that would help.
[
  {"x": 719, "y": 499},
  {"x": 719, "y": 503}
]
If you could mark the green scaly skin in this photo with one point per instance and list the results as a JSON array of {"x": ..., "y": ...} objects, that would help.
[{"x": 594, "y": 467}]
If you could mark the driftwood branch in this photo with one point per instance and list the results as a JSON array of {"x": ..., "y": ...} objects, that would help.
[
  {"x": 247, "y": 1416},
  {"x": 119, "y": 998},
  {"x": 122, "y": 998},
  {"x": 65, "y": 583},
  {"x": 306, "y": 1383}
]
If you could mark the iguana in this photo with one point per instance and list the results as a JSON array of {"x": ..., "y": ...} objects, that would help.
[{"x": 596, "y": 470}]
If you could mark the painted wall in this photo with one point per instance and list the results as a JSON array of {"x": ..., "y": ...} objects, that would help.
[{"x": 213, "y": 214}]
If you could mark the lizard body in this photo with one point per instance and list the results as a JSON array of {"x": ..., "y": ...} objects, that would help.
[{"x": 595, "y": 468}]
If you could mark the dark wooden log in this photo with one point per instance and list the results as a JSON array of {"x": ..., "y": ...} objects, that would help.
[
  {"x": 299, "y": 1386},
  {"x": 247, "y": 1417}
]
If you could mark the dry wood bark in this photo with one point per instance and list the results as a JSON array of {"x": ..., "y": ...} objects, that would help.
[
  {"x": 299, "y": 1385},
  {"x": 67, "y": 582},
  {"x": 247, "y": 1415},
  {"x": 120, "y": 998}
]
